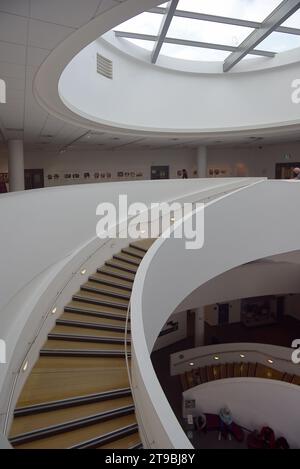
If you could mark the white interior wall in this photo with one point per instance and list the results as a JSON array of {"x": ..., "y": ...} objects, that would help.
[{"x": 236, "y": 161}]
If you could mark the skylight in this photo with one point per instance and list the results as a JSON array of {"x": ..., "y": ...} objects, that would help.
[{"x": 214, "y": 30}]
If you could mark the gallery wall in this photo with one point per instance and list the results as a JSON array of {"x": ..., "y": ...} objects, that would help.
[{"x": 249, "y": 161}]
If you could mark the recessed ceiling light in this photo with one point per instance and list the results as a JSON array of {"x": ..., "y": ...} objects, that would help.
[
  {"x": 242, "y": 356},
  {"x": 216, "y": 358},
  {"x": 270, "y": 361},
  {"x": 83, "y": 271},
  {"x": 192, "y": 364},
  {"x": 54, "y": 310}
]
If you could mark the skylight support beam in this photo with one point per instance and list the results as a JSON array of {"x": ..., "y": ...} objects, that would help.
[
  {"x": 168, "y": 16},
  {"x": 286, "y": 9},
  {"x": 223, "y": 20},
  {"x": 185, "y": 42}
]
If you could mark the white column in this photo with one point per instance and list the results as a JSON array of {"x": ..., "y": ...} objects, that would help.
[
  {"x": 199, "y": 327},
  {"x": 16, "y": 165},
  {"x": 202, "y": 161}
]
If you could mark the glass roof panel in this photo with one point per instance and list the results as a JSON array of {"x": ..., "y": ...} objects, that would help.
[
  {"x": 280, "y": 42},
  {"x": 253, "y": 10},
  {"x": 145, "y": 23},
  {"x": 293, "y": 21},
  {"x": 193, "y": 53},
  {"x": 206, "y": 31}
]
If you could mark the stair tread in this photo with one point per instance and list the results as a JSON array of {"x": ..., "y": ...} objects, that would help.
[
  {"x": 69, "y": 329},
  {"x": 124, "y": 443},
  {"x": 31, "y": 423},
  {"x": 95, "y": 308},
  {"x": 107, "y": 288},
  {"x": 90, "y": 319},
  {"x": 76, "y": 345},
  {"x": 55, "y": 378},
  {"x": 86, "y": 295},
  {"x": 75, "y": 437},
  {"x": 115, "y": 270},
  {"x": 108, "y": 278}
]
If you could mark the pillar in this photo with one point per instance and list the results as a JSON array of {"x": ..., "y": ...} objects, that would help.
[
  {"x": 199, "y": 327},
  {"x": 202, "y": 161},
  {"x": 16, "y": 165}
]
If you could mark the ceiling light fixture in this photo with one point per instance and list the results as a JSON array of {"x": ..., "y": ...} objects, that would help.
[
  {"x": 271, "y": 362},
  {"x": 242, "y": 356},
  {"x": 83, "y": 271},
  {"x": 54, "y": 310},
  {"x": 216, "y": 358},
  {"x": 192, "y": 364}
]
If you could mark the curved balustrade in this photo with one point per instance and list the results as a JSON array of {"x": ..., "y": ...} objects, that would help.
[{"x": 250, "y": 224}]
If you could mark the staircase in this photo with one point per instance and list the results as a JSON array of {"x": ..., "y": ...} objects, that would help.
[
  {"x": 77, "y": 395},
  {"x": 193, "y": 378}
]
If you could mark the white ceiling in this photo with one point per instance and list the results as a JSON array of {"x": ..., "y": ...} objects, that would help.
[{"x": 29, "y": 31}]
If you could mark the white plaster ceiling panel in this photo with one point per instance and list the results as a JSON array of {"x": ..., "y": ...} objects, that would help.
[
  {"x": 17, "y": 7},
  {"x": 61, "y": 12},
  {"x": 13, "y": 28},
  {"x": 46, "y": 35},
  {"x": 12, "y": 53}
]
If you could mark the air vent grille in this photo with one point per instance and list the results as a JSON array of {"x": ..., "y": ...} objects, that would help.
[{"x": 104, "y": 67}]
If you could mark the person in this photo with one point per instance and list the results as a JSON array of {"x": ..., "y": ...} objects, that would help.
[
  {"x": 185, "y": 174},
  {"x": 296, "y": 173}
]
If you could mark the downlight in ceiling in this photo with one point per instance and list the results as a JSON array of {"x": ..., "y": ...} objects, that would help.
[{"x": 104, "y": 67}]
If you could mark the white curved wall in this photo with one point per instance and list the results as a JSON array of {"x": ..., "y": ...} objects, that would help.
[
  {"x": 160, "y": 100},
  {"x": 254, "y": 403}
]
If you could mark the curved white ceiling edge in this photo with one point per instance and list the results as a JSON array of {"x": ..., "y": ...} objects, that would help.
[{"x": 247, "y": 104}]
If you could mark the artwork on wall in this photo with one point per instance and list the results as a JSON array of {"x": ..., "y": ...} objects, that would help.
[
  {"x": 4, "y": 177},
  {"x": 86, "y": 175},
  {"x": 217, "y": 172},
  {"x": 179, "y": 173},
  {"x": 120, "y": 174}
]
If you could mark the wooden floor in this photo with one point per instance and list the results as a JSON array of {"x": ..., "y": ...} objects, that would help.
[{"x": 77, "y": 394}]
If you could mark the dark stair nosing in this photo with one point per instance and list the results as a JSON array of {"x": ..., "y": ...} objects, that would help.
[
  {"x": 104, "y": 292},
  {"x": 71, "y": 425},
  {"x": 94, "y": 301},
  {"x": 109, "y": 283},
  {"x": 72, "y": 402},
  {"x": 133, "y": 254},
  {"x": 128, "y": 261},
  {"x": 86, "y": 338},
  {"x": 107, "y": 438},
  {"x": 90, "y": 325},
  {"x": 96, "y": 314},
  {"x": 88, "y": 353},
  {"x": 115, "y": 275},
  {"x": 137, "y": 446},
  {"x": 120, "y": 267},
  {"x": 139, "y": 248}
]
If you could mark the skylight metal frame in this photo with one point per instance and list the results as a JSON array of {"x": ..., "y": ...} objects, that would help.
[{"x": 261, "y": 31}]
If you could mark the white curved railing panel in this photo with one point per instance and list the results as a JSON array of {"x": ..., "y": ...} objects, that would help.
[
  {"x": 254, "y": 403},
  {"x": 249, "y": 224}
]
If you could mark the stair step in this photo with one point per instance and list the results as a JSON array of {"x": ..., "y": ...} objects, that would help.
[
  {"x": 72, "y": 402},
  {"x": 108, "y": 438},
  {"x": 90, "y": 325},
  {"x": 85, "y": 339},
  {"x": 114, "y": 273},
  {"x": 56, "y": 378},
  {"x": 101, "y": 433},
  {"x": 139, "y": 248},
  {"x": 92, "y": 299},
  {"x": 97, "y": 314},
  {"x": 45, "y": 419},
  {"x": 89, "y": 287},
  {"x": 120, "y": 267},
  {"x": 91, "y": 319},
  {"x": 67, "y": 344},
  {"x": 124, "y": 258},
  {"x": 133, "y": 253},
  {"x": 91, "y": 353},
  {"x": 72, "y": 425},
  {"x": 109, "y": 283},
  {"x": 131, "y": 442}
]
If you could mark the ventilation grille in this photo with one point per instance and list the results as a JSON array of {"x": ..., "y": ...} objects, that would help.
[{"x": 104, "y": 67}]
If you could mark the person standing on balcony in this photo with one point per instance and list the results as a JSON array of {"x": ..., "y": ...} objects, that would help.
[{"x": 185, "y": 174}]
